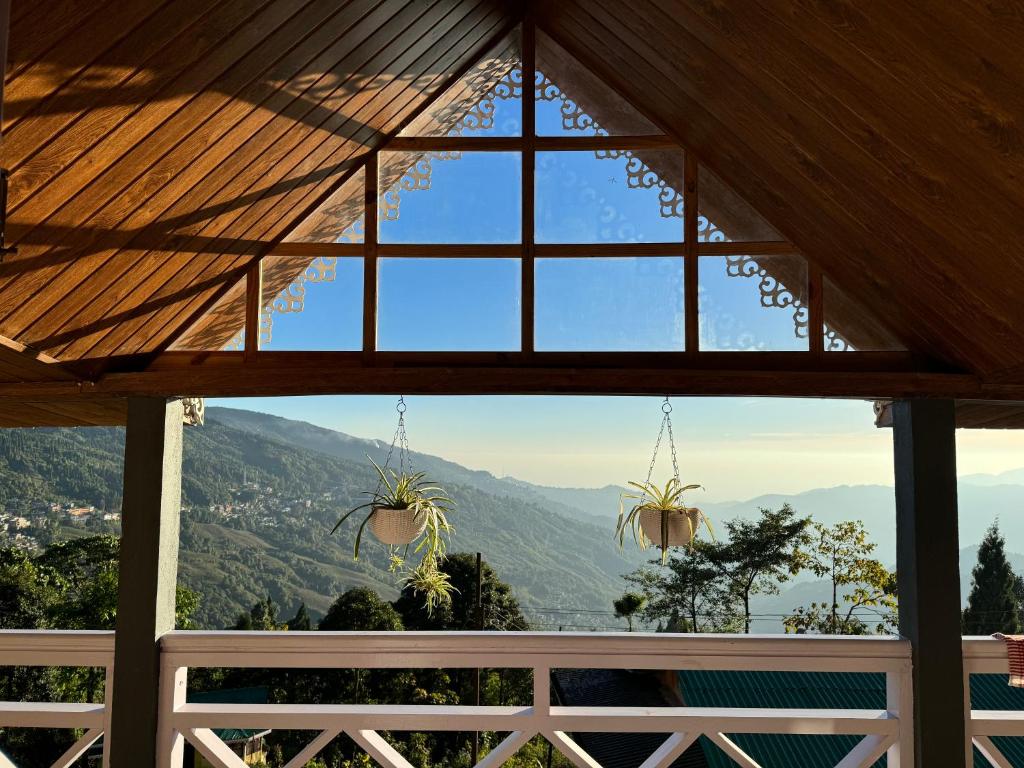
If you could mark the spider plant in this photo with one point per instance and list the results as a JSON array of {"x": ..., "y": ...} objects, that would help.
[
  {"x": 433, "y": 583},
  {"x": 667, "y": 500},
  {"x": 413, "y": 492}
]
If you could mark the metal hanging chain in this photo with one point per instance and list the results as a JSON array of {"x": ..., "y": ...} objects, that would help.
[
  {"x": 666, "y": 425},
  {"x": 401, "y": 440}
]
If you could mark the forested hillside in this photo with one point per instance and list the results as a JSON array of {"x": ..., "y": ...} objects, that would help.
[{"x": 258, "y": 514}]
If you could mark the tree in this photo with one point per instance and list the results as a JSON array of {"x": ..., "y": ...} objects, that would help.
[
  {"x": 262, "y": 617},
  {"x": 992, "y": 605},
  {"x": 842, "y": 556},
  {"x": 300, "y": 622},
  {"x": 759, "y": 554},
  {"x": 501, "y": 611},
  {"x": 627, "y": 606},
  {"x": 72, "y": 585},
  {"x": 688, "y": 592},
  {"x": 359, "y": 609}
]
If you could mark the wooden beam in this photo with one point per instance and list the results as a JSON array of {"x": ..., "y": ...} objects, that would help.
[
  {"x": 148, "y": 574},
  {"x": 541, "y": 250},
  {"x": 815, "y": 309},
  {"x": 313, "y": 250},
  {"x": 741, "y": 248},
  {"x": 20, "y": 362},
  {"x": 528, "y": 264},
  {"x": 253, "y": 307},
  {"x": 795, "y": 374},
  {"x": 5, "y": 30},
  {"x": 370, "y": 252},
  {"x": 928, "y": 571},
  {"x": 521, "y": 143},
  {"x": 691, "y": 275}
]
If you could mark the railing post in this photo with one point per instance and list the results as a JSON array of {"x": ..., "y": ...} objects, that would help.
[
  {"x": 170, "y": 743},
  {"x": 148, "y": 575},
  {"x": 542, "y": 696},
  {"x": 899, "y": 700},
  {"x": 928, "y": 576},
  {"x": 108, "y": 697}
]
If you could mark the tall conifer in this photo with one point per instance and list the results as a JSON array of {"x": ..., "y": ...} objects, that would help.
[{"x": 992, "y": 605}]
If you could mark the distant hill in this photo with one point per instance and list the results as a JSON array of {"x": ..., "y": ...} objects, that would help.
[
  {"x": 1010, "y": 477},
  {"x": 552, "y": 559},
  {"x": 308, "y": 436},
  {"x": 554, "y": 545}
]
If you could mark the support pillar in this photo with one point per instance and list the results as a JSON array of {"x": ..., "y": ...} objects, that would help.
[
  {"x": 148, "y": 575},
  {"x": 928, "y": 576}
]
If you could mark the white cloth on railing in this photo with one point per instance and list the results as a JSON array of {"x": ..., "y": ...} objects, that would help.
[{"x": 1015, "y": 655}]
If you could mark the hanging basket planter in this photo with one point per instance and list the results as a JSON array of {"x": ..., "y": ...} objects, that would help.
[
  {"x": 397, "y": 527},
  {"x": 659, "y": 516},
  {"x": 680, "y": 525},
  {"x": 406, "y": 508}
]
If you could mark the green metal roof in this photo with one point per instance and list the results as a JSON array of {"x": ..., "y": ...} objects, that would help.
[
  {"x": 257, "y": 695},
  {"x": 824, "y": 690}
]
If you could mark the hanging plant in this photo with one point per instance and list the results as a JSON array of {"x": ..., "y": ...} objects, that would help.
[
  {"x": 408, "y": 510},
  {"x": 660, "y": 516}
]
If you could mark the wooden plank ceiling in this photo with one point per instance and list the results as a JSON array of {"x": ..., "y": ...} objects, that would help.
[
  {"x": 884, "y": 139},
  {"x": 156, "y": 146}
]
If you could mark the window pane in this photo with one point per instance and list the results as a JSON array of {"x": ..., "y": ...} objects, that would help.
[
  {"x": 849, "y": 327},
  {"x": 467, "y": 197},
  {"x": 753, "y": 303},
  {"x": 572, "y": 100},
  {"x": 312, "y": 305},
  {"x": 608, "y": 197},
  {"x": 448, "y": 304},
  {"x": 609, "y": 304},
  {"x": 725, "y": 216}
]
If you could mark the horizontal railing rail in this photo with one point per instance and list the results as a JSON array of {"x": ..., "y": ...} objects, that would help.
[
  {"x": 41, "y": 648},
  {"x": 883, "y": 731}
]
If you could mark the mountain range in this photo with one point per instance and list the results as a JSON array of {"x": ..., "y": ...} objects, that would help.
[
  {"x": 553, "y": 545},
  {"x": 983, "y": 499}
]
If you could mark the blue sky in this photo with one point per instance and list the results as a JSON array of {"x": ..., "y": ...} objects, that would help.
[
  {"x": 736, "y": 447},
  {"x": 582, "y": 304}
]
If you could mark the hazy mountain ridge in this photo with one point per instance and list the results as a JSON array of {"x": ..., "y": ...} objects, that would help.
[
  {"x": 260, "y": 510},
  {"x": 982, "y": 499},
  {"x": 554, "y": 545}
]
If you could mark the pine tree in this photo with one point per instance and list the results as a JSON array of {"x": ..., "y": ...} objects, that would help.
[
  {"x": 992, "y": 605},
  {"x": 301, "y": 621}
]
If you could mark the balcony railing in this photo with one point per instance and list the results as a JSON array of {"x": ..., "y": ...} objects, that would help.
[
  {"x": 58, "y": 649},
  {"x": 883, "y": 731},
  {"x": 986, "y": 655}
]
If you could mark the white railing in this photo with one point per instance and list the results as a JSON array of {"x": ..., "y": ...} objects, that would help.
[
  {"x": 885, "y": 731},
  {"x": 987, "y": 655},
  {"x": 59, "y": 649}
]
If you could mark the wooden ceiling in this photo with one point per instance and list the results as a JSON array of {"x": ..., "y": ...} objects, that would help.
[
  {"x": 885, "y": 139},
  {"x": 158, "y": 147}
]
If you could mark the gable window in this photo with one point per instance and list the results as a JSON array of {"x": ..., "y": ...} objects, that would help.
[{"x": 564, "y": 221}]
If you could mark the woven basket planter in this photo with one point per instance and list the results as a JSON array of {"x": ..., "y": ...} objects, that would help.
[
  {"x": 397, "y": 526},
  {"x": 680, "y": 532}
]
